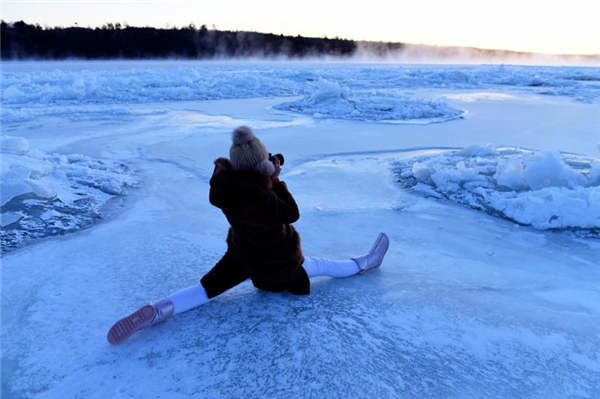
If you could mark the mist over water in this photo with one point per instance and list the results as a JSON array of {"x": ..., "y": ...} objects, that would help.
[{"x": 428, "y": 54}]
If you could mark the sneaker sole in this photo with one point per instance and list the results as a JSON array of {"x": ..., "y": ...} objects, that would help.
[
  {"x": 381, "y": 241},
  {"x": 125, "y": 327}
]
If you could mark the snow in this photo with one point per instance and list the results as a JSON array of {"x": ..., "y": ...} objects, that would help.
[{"x": 466, "y": 304}]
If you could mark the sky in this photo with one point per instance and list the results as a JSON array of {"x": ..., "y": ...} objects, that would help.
[{"x": 550, "y": 26}]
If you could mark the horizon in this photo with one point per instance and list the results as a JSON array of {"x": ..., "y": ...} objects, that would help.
[{"x": 536, "y": 27}]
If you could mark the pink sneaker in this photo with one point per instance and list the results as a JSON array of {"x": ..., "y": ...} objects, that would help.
[
  {"x": 375, "y": 256},
  {"x": 143, "y": 317}
]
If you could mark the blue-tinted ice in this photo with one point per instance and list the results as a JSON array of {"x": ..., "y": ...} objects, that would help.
[{"x": 465, "y": 304}]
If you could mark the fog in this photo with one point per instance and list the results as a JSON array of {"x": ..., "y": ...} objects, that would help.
[{"x": 427, "y": 54}]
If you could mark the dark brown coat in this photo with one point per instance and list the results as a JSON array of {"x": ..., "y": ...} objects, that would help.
[{"x": 262, "y": 244}]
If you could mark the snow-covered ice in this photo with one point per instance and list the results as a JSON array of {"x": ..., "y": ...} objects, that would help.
[
  {"x": 466, "y": 303},
  {"x": 50, "y": 194},
  {"x": 540, "y": 189},
  {"x": 31, "y": 90},
  {"x": 331, "y": 100}
]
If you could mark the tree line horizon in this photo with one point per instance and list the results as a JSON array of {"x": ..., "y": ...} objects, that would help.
[{"x": 22, "y": 41}]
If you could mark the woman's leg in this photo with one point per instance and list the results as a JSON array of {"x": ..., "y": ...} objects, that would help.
[
  {"x": 188, "y": 298},
  {"x": 344, "y": 268},
  {"x": 332, "y": 268},
  {"x": 227, "y": 273}
]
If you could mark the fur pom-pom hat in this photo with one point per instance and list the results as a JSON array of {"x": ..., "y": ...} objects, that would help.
[{"x": 248, "y": 152}]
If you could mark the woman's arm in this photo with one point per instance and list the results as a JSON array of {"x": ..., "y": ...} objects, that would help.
[
  {"x": 215, "y": 196},
  {"x": 282, "y": 205}
]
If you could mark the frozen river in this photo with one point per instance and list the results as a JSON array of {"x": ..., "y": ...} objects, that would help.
[{"x": 466, "y": 303}]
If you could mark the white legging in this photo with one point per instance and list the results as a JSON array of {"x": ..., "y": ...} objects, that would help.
[
  {"x": 332, "y": 268},
  {"x": 191, "y": 297}
]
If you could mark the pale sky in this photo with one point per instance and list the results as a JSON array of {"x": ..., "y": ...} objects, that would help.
[{"x": 555, "y": 27}]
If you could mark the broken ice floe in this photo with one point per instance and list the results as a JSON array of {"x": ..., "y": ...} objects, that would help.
[
  {"x": 545, "y": 190},
  {"x": 332, "y": 100},
  {"x": 73, "y": 90},
  {"x": 51, "y": 194}
]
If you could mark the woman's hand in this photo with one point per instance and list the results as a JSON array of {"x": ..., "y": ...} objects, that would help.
[{"x": 277, "y": 165}]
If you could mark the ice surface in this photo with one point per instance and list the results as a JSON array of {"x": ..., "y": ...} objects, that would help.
[
  {"x": 466, "y": 304},
  {"x": 543, "y": 189},
  {"x": 58, "y": 85},
  {"x": 48, "y": 194}
]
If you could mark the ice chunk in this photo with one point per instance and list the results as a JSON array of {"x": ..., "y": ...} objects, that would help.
[
  {"x": 509, "y": 173},
  {"x": 477, "y": 150},
  {"x": 16, "y": 145},
  {"x": 422, "y": 172},
  {"x": 594, "y": 175},
  {"x": 546, "y": 169}
]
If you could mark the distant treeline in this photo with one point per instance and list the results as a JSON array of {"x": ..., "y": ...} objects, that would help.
[{"x": 20, "y": 40}]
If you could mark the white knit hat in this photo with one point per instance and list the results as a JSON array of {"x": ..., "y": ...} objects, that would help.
[{"x": 248, "y": 152}]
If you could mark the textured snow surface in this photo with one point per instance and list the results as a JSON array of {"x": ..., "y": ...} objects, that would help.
[
  {"x": 543, "y": 189},
  {"x": 466, "y": 304},
  {"x": 58, "y": 85},
  {"x": 50, "y": 194}
]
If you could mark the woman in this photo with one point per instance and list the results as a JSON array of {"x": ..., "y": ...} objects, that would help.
[{"x": 262, "y": 244}]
